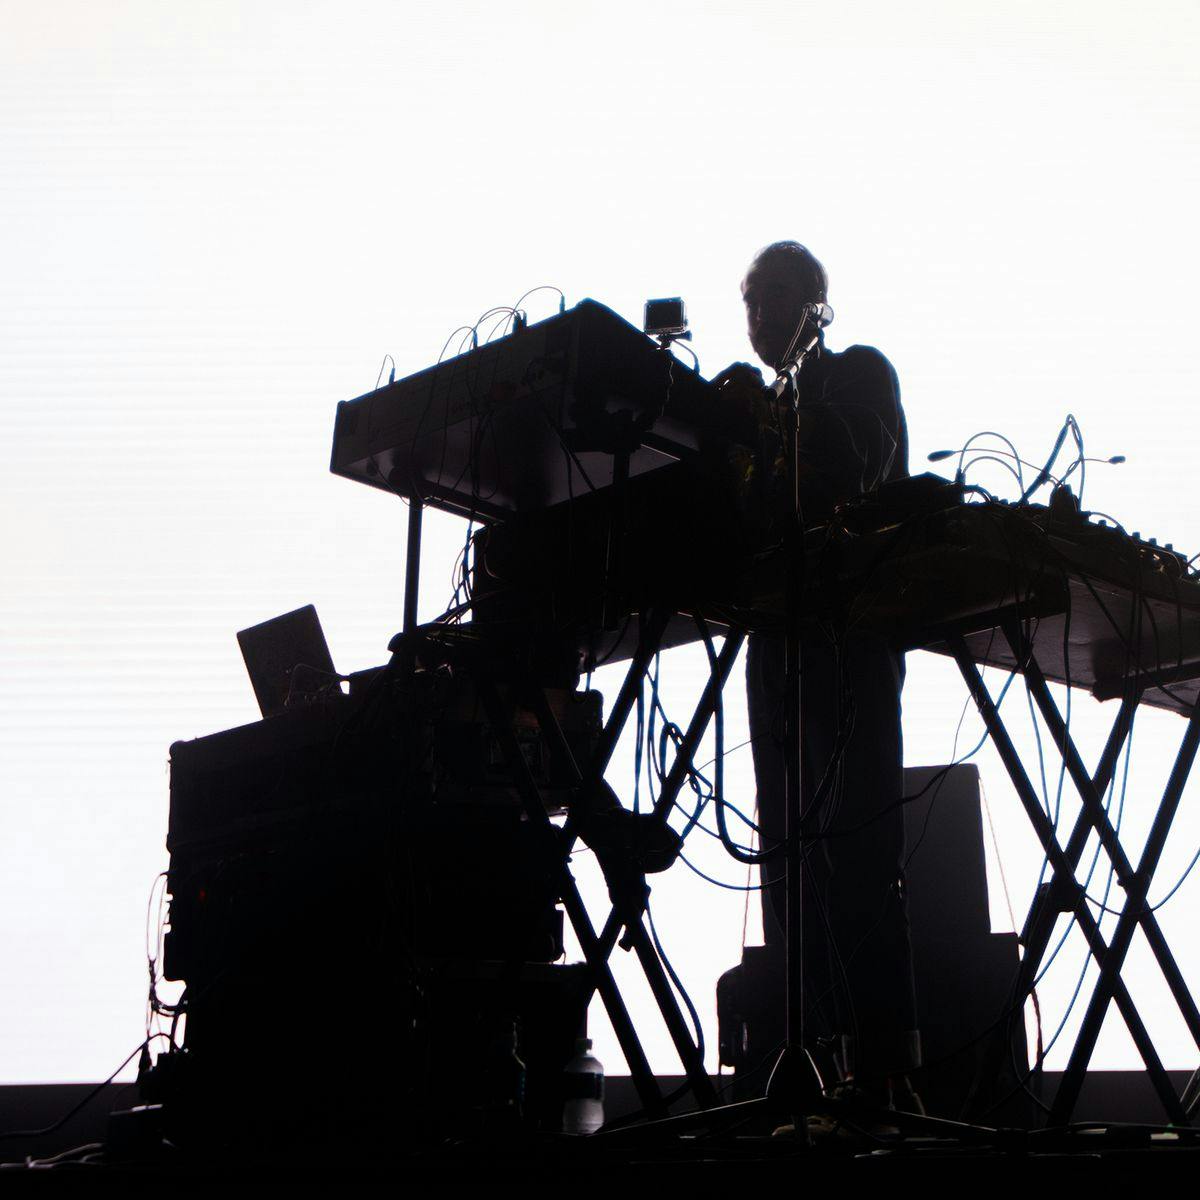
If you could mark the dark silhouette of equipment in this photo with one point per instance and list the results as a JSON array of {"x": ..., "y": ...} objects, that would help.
[
  {"x": 356, "y": 877},
  {"x": 382, "y": 869},
  {"x": 530, "y": 420}
]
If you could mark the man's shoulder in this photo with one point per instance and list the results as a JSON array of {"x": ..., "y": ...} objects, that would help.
[
  {"x": 865, "y": 358},
  {"x": 864, "y": 366}
]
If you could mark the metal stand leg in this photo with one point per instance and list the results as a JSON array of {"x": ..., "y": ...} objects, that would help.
[
  {"x": 1044, "y": 912},
  {"x": 1065, "y": 880},
  {"x": 1092, "y": 814},
  {"x": 629, "y": 916},
  {"x": 1134, "y": 914},
  {"x": 558, "y": 843},
  {"x": 412, "y": 565},
  {"x": 639, "y": 1067},
  {"x": 1049, "y": 901},
  {"x": 685, "y": 756}
]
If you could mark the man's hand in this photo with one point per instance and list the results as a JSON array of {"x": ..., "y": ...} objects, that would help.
[
  {"x": 740, "y": 383},
  {"x": 743, "y": 395}
]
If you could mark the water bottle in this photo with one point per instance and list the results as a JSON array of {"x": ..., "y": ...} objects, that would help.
[{"x": 583, "y": 1077}]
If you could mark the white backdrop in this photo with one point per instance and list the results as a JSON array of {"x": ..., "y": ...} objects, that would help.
[{"x": 215, "y": 219}]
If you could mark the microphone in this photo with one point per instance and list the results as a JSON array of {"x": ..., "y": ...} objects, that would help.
[
  {"x": 821, "y": 314},
  {"x": 814, "y": 317}
]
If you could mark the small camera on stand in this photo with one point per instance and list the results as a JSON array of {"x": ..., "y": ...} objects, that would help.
[{"x": 666, "y": 320}]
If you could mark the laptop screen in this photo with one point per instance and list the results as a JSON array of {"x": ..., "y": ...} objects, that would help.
[{"x": 287, "y": 659}]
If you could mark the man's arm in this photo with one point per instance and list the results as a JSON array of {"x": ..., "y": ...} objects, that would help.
[{"x": 852, "y": 435}]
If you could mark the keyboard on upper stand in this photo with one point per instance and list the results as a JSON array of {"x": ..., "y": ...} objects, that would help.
[{"x": 529, "y": 420}]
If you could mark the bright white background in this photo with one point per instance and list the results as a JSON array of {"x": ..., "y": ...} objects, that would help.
[{"x": 216, "y": 218}]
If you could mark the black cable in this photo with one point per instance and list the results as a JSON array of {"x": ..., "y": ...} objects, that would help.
[
  {"x": 716, "y": 836},
  {"x": 382, "y": 365},
  {"x": 1182, "y": 879},
  {"x": 934, "y": 780},
  {"x": 678, "y": 984},
  {"x": 639, "y": 737},
  {"x": 996, "y": 459},
  {"x": 1043, "y": 475},
  {"x": 8, "y": 1134},
  {"x": 595, "y": 666},
  {"x": 750, "y": 859},
  {"x": 731, "y": 887},
  {"x": 542, "y": 287},
  {"x": 701, "y": 787},
  {"x": 982, "y": 434}
]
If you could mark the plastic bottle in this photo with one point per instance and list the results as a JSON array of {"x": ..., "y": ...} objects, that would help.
[{"x": 583, "y": 1079}]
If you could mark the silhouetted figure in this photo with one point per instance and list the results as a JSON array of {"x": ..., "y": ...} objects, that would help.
[{"x": 858, "y": 960}]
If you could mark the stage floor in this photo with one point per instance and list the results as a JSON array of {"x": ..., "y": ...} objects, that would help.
[{"x": 1118, "y": 1130}]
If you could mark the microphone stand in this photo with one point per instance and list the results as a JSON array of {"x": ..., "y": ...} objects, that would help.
[{"x": 795, "y": 1079}]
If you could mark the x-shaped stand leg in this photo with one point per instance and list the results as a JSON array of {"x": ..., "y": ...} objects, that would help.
[
  {"x": 629, "y": 916},
  {"x": 1072, "y": 895},
  {"x": 1092, "y": 816},
  {"x": 565, "y": 887},
  {"x": 597, "y": 950},
  {"x": 685, "y": 756}
]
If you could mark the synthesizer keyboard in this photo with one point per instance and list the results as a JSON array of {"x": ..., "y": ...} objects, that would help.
[{"x": 529, "y": 420}]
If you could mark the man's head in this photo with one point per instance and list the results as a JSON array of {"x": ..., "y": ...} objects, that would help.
[{"x": 782, "y": 279}]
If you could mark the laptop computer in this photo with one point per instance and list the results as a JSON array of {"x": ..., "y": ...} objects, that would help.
[{"x": 288, "y": 660}]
